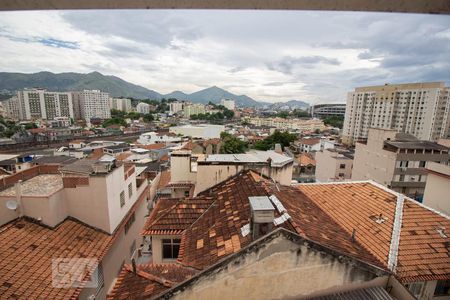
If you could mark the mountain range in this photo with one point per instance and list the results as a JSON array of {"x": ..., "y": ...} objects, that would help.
[{"x": 118, "y": 87}]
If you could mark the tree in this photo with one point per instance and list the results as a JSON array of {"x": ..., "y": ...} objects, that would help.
[
  {"x": 335, "y": 121},
  {"x": 114, "y": 121},
  {"x": 148, "y": 118},
  {"x": 283, "y": 114},
  {"x": 231, "y": 144},
  {"x": 278, "y": 137}
]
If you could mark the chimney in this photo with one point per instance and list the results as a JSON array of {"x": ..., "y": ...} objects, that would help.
[
  {"x": 278, "y": 149},
  {"x": 262, "y": 214},
  {"x": 18, "y": 188}
]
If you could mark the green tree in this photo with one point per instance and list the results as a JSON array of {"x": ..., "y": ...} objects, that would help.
[
  {"x": 148, "y": 118},
  {"x": 278, "y": 137},
  {"x": 335, "y": 121},
  {"x": 231, "y": 144}
]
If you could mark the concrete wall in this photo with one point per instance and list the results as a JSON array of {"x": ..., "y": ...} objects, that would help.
[
  {"x": 119, "y": 253},
  {"x": 293, "y": 270},
  {"x": 89, "y": 203},
  {"x": 210, "y": 175},
  {"x": 328, "y": 166},
  {"x": 180, "y": 169},
  {"x": 437, "y": 189}
]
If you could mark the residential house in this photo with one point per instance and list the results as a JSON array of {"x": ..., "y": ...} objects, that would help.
[
  {"x": 334, "y": 165},
  {"x": 301, "y": 241},
  {"x": 397, "y": 160},
  {"x": 304, "y": 169}
]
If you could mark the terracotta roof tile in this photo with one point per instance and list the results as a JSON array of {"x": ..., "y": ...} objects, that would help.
[
  {"x": 173, "y": 216},
  {"x": 164, "y": 179},
  {"x": 305, "y": 159},
  {"x": 152, "y": 146},
  {"x": 149, "y": 280},
  {"x": 27, "y": 250}
]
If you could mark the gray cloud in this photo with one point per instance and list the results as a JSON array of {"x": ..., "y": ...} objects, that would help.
[{"x": 287, "y": 64}]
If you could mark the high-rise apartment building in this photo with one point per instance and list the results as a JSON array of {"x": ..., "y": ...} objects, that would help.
[
  {"x": 90, "y": 104},
  {"x": 122, "y": 104},
  {"x": 42, "y": 104},
  {"x": 420, "y": 109},
  {"x": 12, "y": 108},
  {"x": 143, "y": 108},
  {"x": 193, "y": 109},
  {"x": 175, "y": 107}
]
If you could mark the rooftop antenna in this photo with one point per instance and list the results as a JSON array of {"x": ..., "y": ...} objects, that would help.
[{"x": 12, "y": 204}]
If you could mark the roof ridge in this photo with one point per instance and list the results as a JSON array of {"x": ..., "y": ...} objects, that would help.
[
  {"x": 395, "y": 236},
  {"x": 146, "y": 275}
]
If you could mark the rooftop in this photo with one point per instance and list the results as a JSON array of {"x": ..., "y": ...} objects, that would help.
[
  {"x": 277, "y": 160},
  {"x": 150, "y": 279},
  {"x": 26, "y": 254},
  {"x": 40, "y": 185},
  {"x": 417, "y": 145},
  {"x": 63, "y": 160}
]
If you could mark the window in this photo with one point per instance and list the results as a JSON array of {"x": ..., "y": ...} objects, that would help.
[
  {"x": 129, "y": 223},
  {"x": 422, "y": 164},
  {"x": 130, "y": 190},
  {"x": 171, "y": 247},
  {"x": 404, "y": 164},
  {"x": 415, "y": 288},
  {"x": 401, "y": 178},
  {"x": 122, "y": 199},
  {"x": 442, "y": 288},
  {"x": 97, "y": 277},
  {"x": 341, "y": 175},
  {"x": 342, "y": 166}
]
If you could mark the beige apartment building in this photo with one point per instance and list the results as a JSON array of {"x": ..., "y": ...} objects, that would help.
[
  {"x": 122, "y": 104},
  {"x": 397, "y": 160},
  {"x": 193, "y": 109},
  {"x": 91, "y": 104},
  {"x": 87, "y": 209},
  {"x": 333, "y": 165},
  {"x": 437, "y": 187},
  {"x": 42, "y": 104},
  {"x": 420, "y": 109},
  {"x": 288, "y": 124},
  {"x": 12, "y": 108}
]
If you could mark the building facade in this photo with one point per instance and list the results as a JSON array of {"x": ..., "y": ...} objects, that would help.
[
  {"x": 143, "y": 108},
  {"x": 175, "y": 107},
  {"x": 228, "y": 104},
  {"x": 41, "y": 104},
  {"x": 288, "y": 124},
  {"x": 437, "y": 187},
  {"x": 91, "y": 104},
  {"x": 193, "y": 109},
  {"x": 122, "y": 104},
  {"x": 12, "y": 108},
  {"x": 420, "y": 109},
  {"x": 327, "y": 110},
  {"x": 397, "y": 161},
  {"x": 333, "y": 165}
]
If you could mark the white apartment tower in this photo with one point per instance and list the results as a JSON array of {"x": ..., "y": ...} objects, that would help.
[
  {"x": 420, "y": 109},
  {"x": 91, "y": 104},
  {"x": 12, "y": 108},
  {"x": 143, "y": 108},
  {"x": 42, "y": 104},
  {"x": 122, "y": 104}
]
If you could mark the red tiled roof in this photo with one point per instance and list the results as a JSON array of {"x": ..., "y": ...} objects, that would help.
[
  {"x": 164, "y": 179},
  {"x": 149, "y": 280},
  {"x": 217, "y": 232},
  {"x": 165, "y": 157},
  {"x": 172, "y": 216},
  {"x": 422, "y": 252},
  {"x": 309, "y": 141},
  {"x": 305, "y": 159},
  {"x": 188, "y": 146},
  {"x": 27, "y": 250}
]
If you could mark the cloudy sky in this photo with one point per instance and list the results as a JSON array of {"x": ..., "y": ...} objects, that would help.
[{"x": 267, "y": 55}]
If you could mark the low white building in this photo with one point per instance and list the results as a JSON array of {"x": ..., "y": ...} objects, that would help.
[
  {"x": 307, "y": 145},
  {"x": 143, "y": 108},
  {"x": 204, "y": 131},
  {"x": 156, "y": 138}
]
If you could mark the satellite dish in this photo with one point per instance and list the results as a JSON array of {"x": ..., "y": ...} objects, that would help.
[{"x": 12, "y": 204}]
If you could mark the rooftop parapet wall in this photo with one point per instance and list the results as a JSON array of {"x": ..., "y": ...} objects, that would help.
[{"x": 9, "y": 181}]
